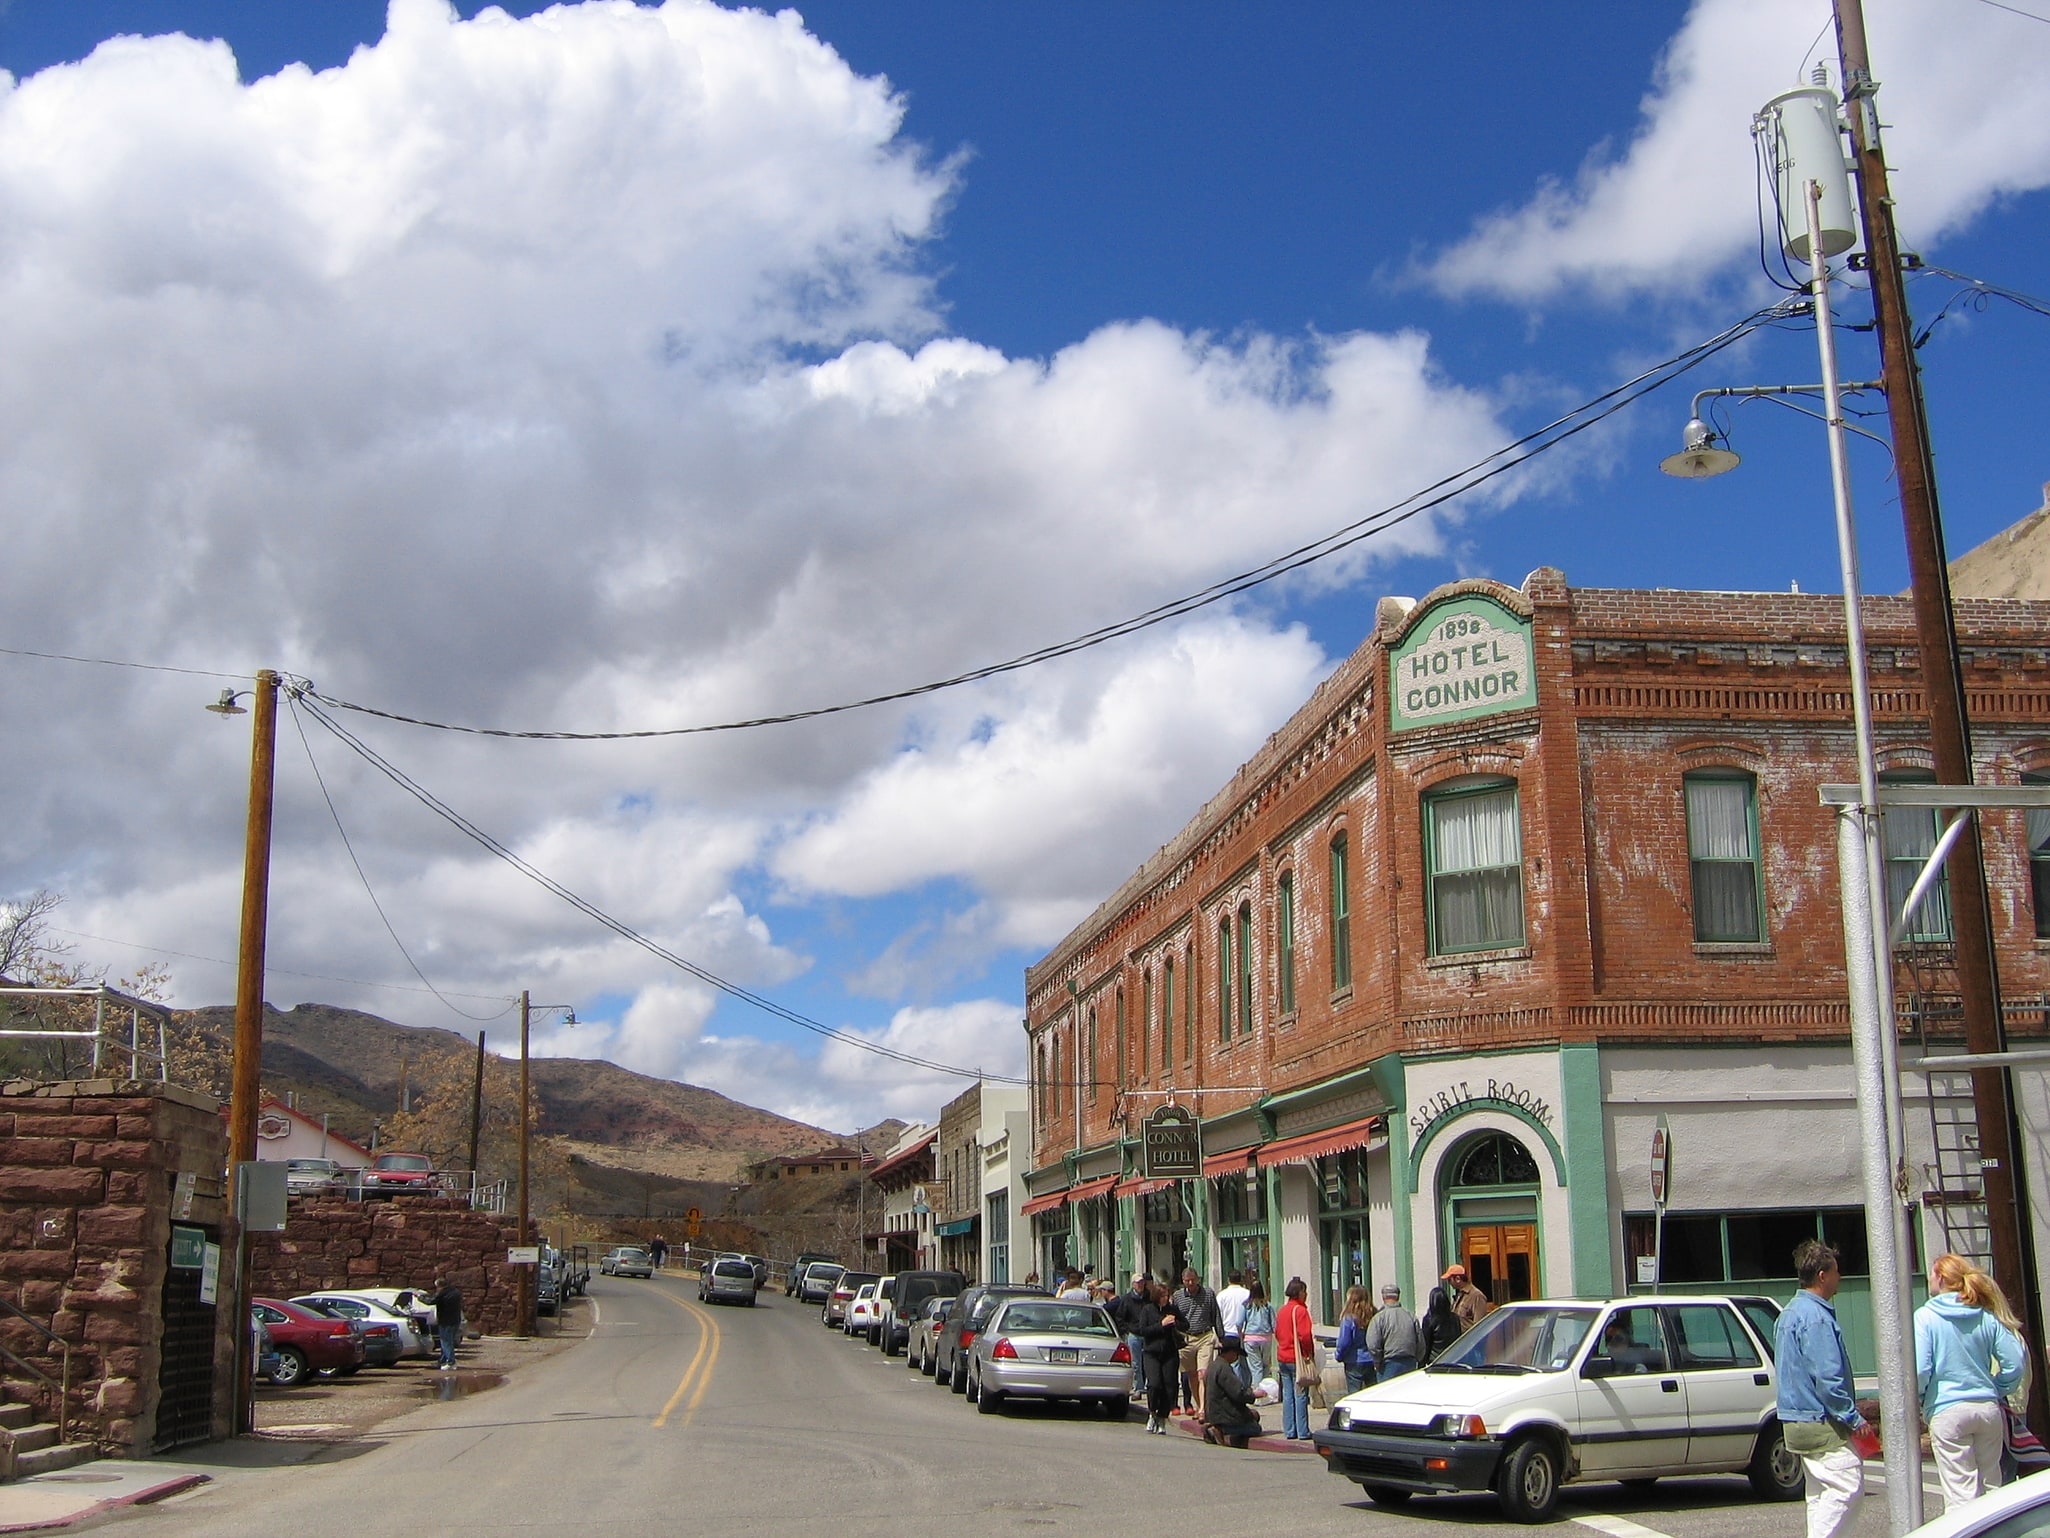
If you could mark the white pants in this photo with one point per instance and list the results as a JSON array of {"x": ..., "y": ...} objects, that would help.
[
  {"x": 1835, "y": 1481},
  {"x": 1968, "y": 1440}
]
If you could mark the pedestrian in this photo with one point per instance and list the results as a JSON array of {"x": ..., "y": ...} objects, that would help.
[
  {"x": 1351, "y": 1350},
  {"x": 1196, "y": 1306},
  {"x": 1295, "y": 1348},
  {"x": 1073, "y": 1290},
  {"x": 657, "y": 1250},
  {"x": 1123, "y": 1310},
  {"x": 1153, "y": 1321},
  {"x": 1469, "y": 1303},
  {"x": 1228, "y": 1414},
  {"x": 1818, "y": 1415},
  {"x": 1441, "y": 1323},
  {"x": 1231, "y": 1306},
  {"x": 1258, "y": 1331},
  {"x": 1966, "y": 1363},
  {"x": 2026, "y": 1453},
  {"x": 448, "y": 1320},
  {"x": 1394, "y": 1338}
]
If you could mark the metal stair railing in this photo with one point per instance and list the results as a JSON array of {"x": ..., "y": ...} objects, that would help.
[{"x": 61, "y": 1384}]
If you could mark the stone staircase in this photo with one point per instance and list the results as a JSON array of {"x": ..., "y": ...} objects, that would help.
[{"x": 28, "y": 1446}]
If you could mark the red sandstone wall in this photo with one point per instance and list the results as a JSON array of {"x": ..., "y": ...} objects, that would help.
[{"x": 405, "y": 1242}]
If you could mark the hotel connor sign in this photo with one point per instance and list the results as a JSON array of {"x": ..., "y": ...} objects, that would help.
[{"x": 1469, "y": 656}]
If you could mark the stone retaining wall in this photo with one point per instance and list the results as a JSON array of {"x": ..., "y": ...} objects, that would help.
[{"x": 407, "y": 1241}]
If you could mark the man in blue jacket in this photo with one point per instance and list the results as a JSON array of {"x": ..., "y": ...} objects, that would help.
[{"x": 1817, "y": 1413}]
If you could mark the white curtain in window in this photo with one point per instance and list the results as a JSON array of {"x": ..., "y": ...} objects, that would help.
[
  {"x": 1478, "y": 876},
  {"x": 1908, "y": 835},
  {"x": 2039, "y": 832},
  {"x": 1476, "y": 832},
  {"x": 1719, "y": 819}
]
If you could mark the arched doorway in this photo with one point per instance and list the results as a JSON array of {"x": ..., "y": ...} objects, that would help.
[{"x": 1491, "y": 1209}]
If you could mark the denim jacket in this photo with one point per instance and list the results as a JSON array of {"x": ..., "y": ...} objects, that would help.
[{"x": 1814, "y": 1368}]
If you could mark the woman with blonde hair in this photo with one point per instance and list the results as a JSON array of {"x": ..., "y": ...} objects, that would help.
[
  {"x": 1351, "y": 1350},
  {"x": 1966, "y": 1362}
]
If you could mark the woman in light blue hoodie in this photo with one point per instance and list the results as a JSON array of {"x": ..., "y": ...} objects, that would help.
[{"x": 1967, "y": 1362}]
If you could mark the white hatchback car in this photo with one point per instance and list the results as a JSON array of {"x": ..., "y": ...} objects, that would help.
[{"x": 1541, "y": 1393}]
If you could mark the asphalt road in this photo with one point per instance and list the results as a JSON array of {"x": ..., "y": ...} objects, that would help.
[{"x": 757, "y": 1420}]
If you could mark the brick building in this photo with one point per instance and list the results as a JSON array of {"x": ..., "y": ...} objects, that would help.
[
  {"x": 977, "y": 1184},
  {"x": 1531, "y": 869}
]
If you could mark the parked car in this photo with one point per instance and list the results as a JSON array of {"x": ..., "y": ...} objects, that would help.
[
  {"x": 970, "y": 1313},
  {"x": 401, "y": 1174},
  {"x": 2017, "y": 1510},
  {"x": 794, "y": 1277},
  {"x": 833, "y": 1312},
  {"x": 405, "y": 1337},
  {"x": 872, "y": 1332},
  {"x": 815, "y": 1283},
  {"x": 925, "y": 1330},
  {"x": 1040, "y": 1348},
  {"x": 410, "y": 1301},
  {"x": 551, "y": 1280},
  {"x": 1538, "y": 1394},
  {"x": 314, "y": 1177},
  {"x": 629, "y": 1260},
  {"x": 908, "y": 1293},
  {"x": 727, "y": 1281},
  {"x": 761, "y": 1269},
  {"x": 306, "y": 1342},
  {"x": 861, "y": 1313}
]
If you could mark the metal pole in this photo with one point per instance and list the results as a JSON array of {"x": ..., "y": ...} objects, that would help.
[
  {"x": 1868, "y": 967},
  {"x": 476, "y": 1109},
  {"x": 247, "y": 1070},
  {"x": 525, "y": 1324},
  {"x": 1943, "y": 688}
]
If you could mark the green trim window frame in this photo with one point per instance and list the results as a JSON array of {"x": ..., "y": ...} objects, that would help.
[
  {"x": 1123, "y": 1066},
  {"x": 1284, "y": 942},
  {"x": 1238, "y": 1217},
  {"x": 1053, "y": 1085},
  {"x": 2038, "y": 823},
  {"x": 1741, "y": 1246},
  {"x": 1340, "y": 903},
  {"x": 1095, "y": 1067},
  {"x": 997, "y": 1225},
  {"x": 1055, "y": 1233},
  {"x": 1722, "y": 857},
  {"x": 1167, "y": 1014},
  {"x": 1473, "y": 868},
  {"x": 1908, "y": 835},
  {"x": 1342, "y": 1254},
  {"x": 1224, "y": 980},
  {"x": 1145, "y": 1022},
  {"x": 1189, "y": 1006},
  {"x": 1245, "y": 969}
]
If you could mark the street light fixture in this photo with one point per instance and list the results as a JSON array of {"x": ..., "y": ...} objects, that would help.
[{"x": 524, "y": 1325}]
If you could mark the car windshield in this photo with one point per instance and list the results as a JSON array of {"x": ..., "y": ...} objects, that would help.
[
  {"x": 310, "y": 1166},
  {"x": 1520, "y": 1338},
  {"x": 1054, "y": 1319},
  {"x": 403, "y": 1162}
]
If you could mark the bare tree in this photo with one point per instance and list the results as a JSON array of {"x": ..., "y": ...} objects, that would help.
[{"x": 28, "y": 953}]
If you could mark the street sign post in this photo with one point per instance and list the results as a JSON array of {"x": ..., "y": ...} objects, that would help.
[
  {"x": 693, "y": 1223},
  {"x": 1661, "y": 1185},
  {"x": 1171, "y": 1145}
]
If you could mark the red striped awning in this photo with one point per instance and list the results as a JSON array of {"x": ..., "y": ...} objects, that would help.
[
  {"x": 1044, "y": 1203},
  {"x": 1089, "y": 1188},
  {"x": 1138, "y": 1185},
  {"x": 1314, "y": 1145},
  {"x": 1226, "y": 1163}
]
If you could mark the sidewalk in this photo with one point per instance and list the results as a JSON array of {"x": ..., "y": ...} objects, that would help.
[
  {"x": 1270, "y": 1439},
  {"x": 70, "y": 1496}
]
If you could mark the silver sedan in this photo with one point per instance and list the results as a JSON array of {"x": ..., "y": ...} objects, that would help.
[{"x": 1037, "y": 1348}]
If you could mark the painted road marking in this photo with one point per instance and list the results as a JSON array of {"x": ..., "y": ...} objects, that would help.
[
  {"x": 1618, "y": 1527},
  {"x": 699, "y": 1372}
]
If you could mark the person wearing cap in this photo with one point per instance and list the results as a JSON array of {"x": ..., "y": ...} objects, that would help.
[
  {"x": 1228, "y": 1414},
  {"x": 1468, "y": 1301},
  {"x": 1394, "y": 1338}
]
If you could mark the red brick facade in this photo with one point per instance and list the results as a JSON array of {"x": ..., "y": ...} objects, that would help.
[{"x": 1634, "y": 690}]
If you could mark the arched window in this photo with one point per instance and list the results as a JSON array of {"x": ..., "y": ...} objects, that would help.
[
  {"x": 1119, "y": 1072},
  {"x": 1245, "y": 968},
  {"x": 1146, "y": 1022},
  {"x": 1224, "y": 980},
  {"x": 1284, "y": 942},
  {"x": 1094, "y": 1070},
  {"x": 1167, "y": 1013},
  {"x": 1495, "y": 1159},
  {"x": 1340, "y": 904}
]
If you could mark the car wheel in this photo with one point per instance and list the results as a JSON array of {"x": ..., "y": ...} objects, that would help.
[
  {"x": 971, "y": 1391},
  {"x": 1529, "y": 1482},
  {"x": 1116, "y": 1409},
  {"x": 1776, "y": 1473},
  {"x": 988, "y": 1401},
  {"x": 1387, "y": 1495},
  {"x": 291, "y": 1370},
  {"x": 957, "y": 1380},
  {"x": 331, "y": 1373}
]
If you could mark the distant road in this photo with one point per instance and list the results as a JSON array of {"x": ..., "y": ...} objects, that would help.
[{"x": 756, "y": 1421}]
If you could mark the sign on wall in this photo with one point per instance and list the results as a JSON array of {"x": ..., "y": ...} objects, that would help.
[
  {"x": 1469, "y": 656},
  {"x": 1171, "y": 1145}
]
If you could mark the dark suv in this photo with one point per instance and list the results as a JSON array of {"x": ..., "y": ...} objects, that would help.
[
  {"x": 907, "y": 1296},
  {"x": 971, "y": 1313}
]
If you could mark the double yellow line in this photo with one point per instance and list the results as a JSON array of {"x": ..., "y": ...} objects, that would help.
[{"x": 697, "y": 1377}]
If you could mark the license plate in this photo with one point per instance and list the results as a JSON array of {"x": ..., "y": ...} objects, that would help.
[{"x": 1067, "y": 1355}]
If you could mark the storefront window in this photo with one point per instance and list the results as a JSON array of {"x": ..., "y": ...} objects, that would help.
[
  {"x": 1715, "y": 1247},
  {"x": 1055, "y": 1252},
  {"x": 999, "y": 1227},
  {"x": 1341, "y": 1227},
  {"x": 1238, "y": 1206}
]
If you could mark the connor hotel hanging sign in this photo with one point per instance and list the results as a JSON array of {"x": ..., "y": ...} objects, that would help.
[{"x": 1469, "y": 656}]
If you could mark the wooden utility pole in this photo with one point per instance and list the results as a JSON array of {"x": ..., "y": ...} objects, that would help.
[
  {"x": 527, "y": 1273},
  {"x": 246, "y": 1072},
  {"x": 1943, "y": 690},
  {"x": 476, "y": 1112}
]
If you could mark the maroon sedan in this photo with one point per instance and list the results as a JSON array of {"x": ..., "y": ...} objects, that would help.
[
  {"x": 304, "y": 1342},
  {"x": 401, "y": 1174}
]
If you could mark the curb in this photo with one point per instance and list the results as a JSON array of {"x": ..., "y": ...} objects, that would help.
[
  {"x": 1189, "y": 1426},
  {"x": 142, "y": 1497}
]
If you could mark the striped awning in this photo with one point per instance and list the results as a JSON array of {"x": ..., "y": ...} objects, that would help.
[
  {"x": 1229, "y": 1162},
  {"x": 1314, "y": 1145},
  {"x": 1139, "y": 1185},
  {"x": 1046, "y": 1203},
  {"x": 1088, "y": 1188}
]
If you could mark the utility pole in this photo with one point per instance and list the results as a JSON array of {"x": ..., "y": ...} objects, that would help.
[
  {"x": 525, "y": 1324},
  {"x": 476, "y": 1112},
  {"x": 1942, "y": 681},
  {"x": 246, "y": 1074}
]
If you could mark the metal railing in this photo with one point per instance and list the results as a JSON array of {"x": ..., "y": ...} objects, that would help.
[
  {"x": 60, "y": 1385},
  {"x": 104, "y": 1042},
  {"x": 465, "y": 1185}
]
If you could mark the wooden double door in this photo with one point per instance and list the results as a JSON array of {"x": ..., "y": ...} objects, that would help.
[{"x": 1501, "y": 1259}]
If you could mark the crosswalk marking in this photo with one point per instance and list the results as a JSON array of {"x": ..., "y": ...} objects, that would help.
[{"x": 1619, "y": 1527}]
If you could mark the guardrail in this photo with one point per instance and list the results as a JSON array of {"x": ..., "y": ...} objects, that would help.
[{"x": 465, "y": 1185}]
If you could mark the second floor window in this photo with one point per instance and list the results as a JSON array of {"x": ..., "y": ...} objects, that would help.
[
  {"x": 2039, "y": 857},
  {"x": 1284, "y": 942},
  {"x": 1167, "y": 1013},
  {"x": 1341, "y": 918},
  {"x": 1474, "y": 861},
  {"x": 1094, "y": 1067},
  {"x": 1224, "y": 978},
  {"x": 1245, "y": 969},
  {"x": 1722, "y": 853},
  {"x": 1145, "y": 1022},
  {"x": 1908, "y": 835}
]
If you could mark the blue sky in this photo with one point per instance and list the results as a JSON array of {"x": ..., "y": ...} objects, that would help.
[{"x": 599, "y": 372}]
